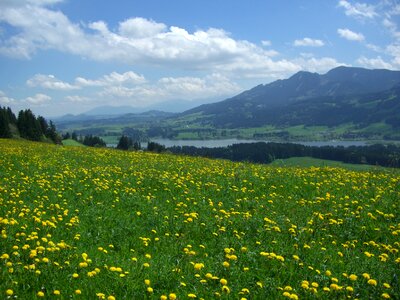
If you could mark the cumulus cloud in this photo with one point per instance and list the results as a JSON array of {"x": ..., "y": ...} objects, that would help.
[
  {"x": 308, "y": 42},
  {"x": 38, "y": 99},
  {"x": 114, "y": 78},
  {"x": 4, "y": 100},
  {"x": 374, "y": 63},
  {"x": 350, "y": 35},
  {"x": 49, "y": 82},
  {"x": 140, "y": 28},
  {"x": 266, "y": 43},
  {"x": 358, "y": 10},
  {"x": 394, "y": 51},
  {"x": 77, "y": 98},
  {"x": 172, "y": 88},
  {"x": 319, "y": 65},
  {"x": 134, "y": 41}
]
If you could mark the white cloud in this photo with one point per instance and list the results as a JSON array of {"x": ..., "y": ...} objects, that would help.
[
  {"x": 308, "y": 42},
  {"x": 49, "y": 82},
  {"x": 172, "y": 88},
  {"x": 38, "y": 99},
  {"x": 114, "y": 78},
  {"x": 319, "y": 65},
  {"x": 394, "y": 51},
  {"x": 4, "y": 100},
  {"x": 266, "y": 43},
  {"x": 135, "y": 41},
  {"x": 350, "y": 35},
  {"x": 374, "y": 63},
  {"x": 358, "y": 10},
  {"x": 77, "y": 99},
  {"x": 140, "y": 28}
]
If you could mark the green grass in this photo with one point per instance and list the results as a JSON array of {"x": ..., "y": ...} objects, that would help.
[
  {"x": 71, "y": 142},
  {"x": 306, "y": 162},
  {"x": 104, "y": 224}
]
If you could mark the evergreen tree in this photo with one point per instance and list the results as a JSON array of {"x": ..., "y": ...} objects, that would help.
[
  {"x": 5, "y": 131},
  {"x": 74, "y": 136},
  {"x": 28, "y": 126},
  {"x": 124, "y": 143}
]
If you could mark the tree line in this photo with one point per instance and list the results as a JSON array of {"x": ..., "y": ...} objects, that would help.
[
  {"x": 378, "y": 154},
  {"x": 27, "y": 126}
]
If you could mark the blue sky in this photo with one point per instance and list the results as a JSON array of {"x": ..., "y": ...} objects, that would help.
[{"x": 69, "y": 56}]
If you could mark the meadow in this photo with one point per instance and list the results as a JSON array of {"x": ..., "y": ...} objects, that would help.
[{"x": 85, "y": 223}]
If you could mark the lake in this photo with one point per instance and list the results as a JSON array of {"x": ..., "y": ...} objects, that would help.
[{"x": 228, "y": 142}]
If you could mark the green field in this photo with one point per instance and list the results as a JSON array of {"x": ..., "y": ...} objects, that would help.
[
  {"x": 316, "y": 162},
  {"x": 86, "y": 223},
  {"x": 71, "y": 142}
]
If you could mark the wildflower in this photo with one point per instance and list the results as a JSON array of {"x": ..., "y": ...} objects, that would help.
[
  {"x": 110, "y": 297},
  {"x": 163, "y": 297},
  {"x": 147, "y": 281},
  {"x": 223, "y": 281},
  {"x": 385, "y": 296},
  {"x": 192, "y": 296},
  {"x": 149, "y": 289},
  {"x": 172, "y": 296},
  {"x": 75, "y": 275},
  {"x": 353, "y": 277},
  {"x": 366, "y": 276},
  {"x": 198, "y": 266},
  {"x": 40, "y": 294},
  {"x": 226, "y": 264},
  {"x": 78, "y": 292},
  {"x": 56, "y": 292},
  {"x": 9, "y": 292},
  {"x": 226, "y": 289},
  {"x": 372, "y": 282}
]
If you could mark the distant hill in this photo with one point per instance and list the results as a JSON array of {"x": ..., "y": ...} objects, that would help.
[{"x": 343, "y": 95}]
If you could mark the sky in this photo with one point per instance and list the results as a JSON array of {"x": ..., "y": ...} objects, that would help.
[{"x": 69, "y": 56}]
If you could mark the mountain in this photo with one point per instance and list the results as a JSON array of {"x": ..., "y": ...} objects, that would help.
[
  {"x": 110, "y": 110},
  {"x": 343, "y": 95}
]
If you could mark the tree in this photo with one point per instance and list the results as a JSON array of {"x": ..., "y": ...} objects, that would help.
[
  {"x": 5, "y": 131},
  {"x": 124, "y": 143},
  {"x": 28, "y": 126}
]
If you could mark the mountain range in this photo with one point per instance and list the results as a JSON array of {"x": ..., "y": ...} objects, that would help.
[
  {"x": 343, "y": 95},
  {"x": 355, "y": 97}
]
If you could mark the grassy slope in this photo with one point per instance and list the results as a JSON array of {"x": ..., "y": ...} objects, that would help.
[
  {"x": 90, "y": 221},
  {"x": 71, "y": 142},
  {"x": 316, "y": 162}
]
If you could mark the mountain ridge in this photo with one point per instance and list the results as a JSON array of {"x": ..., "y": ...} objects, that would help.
[{"x": 342, "y": 87}]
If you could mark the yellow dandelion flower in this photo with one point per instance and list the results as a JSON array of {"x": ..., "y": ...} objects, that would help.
[
  {"x": 172, "y": 296},
  {"x": 198, "y": 266},
  {"x": 372, "y": 282},
  {"x": 40, "y": 294},
  {"x": 9, "y": 292},
  {"x": 353, "y": 277}
]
